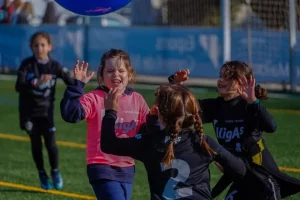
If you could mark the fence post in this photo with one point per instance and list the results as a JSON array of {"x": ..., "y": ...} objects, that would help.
[
  {"x": 225, "y": 22},
  {"x": 86, "y": 39},
  {"x": 293, "y": 42},
  {"x": 249, "y": 31}
]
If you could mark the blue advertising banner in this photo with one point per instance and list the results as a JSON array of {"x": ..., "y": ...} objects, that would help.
[
  {"x": 159, "y": 51},
  {"x": 68, "y": 44}
]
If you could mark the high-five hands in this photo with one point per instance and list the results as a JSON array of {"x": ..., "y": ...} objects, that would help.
[{"x": 80, "y": 72}]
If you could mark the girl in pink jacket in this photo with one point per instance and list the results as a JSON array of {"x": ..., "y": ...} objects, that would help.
[{"x": 110, "y": 176}]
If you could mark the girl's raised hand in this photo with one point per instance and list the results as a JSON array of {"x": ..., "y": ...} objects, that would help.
[
  {"x": 247, "y": 89},
  {"x": 181, "y": 76},
  {"x": 80, "y": 72},
  {"x": 153, "y": 110}
]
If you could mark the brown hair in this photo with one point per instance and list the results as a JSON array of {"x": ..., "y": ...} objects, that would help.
[
  {"x": 40, "y": 34},
  {"x": 27, "y": 8},
  {"x": 179, "y": 110},
  {"x": 122, "y": 56},
  {"x": 235, "y": 70},
  {"x": 17, "y": 4}
]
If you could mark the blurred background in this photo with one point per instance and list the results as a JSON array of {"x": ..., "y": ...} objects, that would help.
[{"x": 163, "y": 36}]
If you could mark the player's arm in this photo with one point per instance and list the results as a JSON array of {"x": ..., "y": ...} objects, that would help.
[
  {"x": 260, "y": 114},
  {"x": 111, "y": 144},
  {"x": 179, "y": 77},
  {"x": 151, "y": 123},
  {"x": 24, "y": 82},
  {"x": 75, "y": 106},
  {"x": 232, "y": 165},
  {"x": 151, "y": 126},
  {"x": 64, "y": 74},
  {"x": 71, "y": 108},
  {"x": 207, "y": 105}
]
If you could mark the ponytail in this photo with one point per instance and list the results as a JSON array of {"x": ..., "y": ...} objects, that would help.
[
  {"x": 261, "y": 93},
  {"x": 174, "y": 131},
  {"x": 200, "y": 132}
]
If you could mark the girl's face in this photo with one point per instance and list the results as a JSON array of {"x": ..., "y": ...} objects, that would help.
[
  {"x": 115, "y": 74},
  {"x": 41, "y": 48},
  {"x": 226, "y": 87}
]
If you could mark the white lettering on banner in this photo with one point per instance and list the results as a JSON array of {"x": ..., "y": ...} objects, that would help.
[
  {"x": 158, "y": 62},
  {"x": 180, "y": 44},
  {"x": 210, "y": 43},
  {"x": 274, "y": 70},
  {"x": 279, "y": 70}
]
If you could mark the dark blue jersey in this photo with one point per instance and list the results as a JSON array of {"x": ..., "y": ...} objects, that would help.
[
  {"x": 38, "y": 101},
  {"x": 188, "y": 176},
  {"x": 239, "y": 127},
  {"x": 237, "y": 123}
]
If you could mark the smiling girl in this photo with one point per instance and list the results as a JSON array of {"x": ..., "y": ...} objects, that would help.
[
  {"x": 110, "y": 176},
  {"x": 239, "y": 120}
]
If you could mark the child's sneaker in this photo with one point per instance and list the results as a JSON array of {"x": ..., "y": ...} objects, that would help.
[
  {"x": 44, "y": 180},
  {"x": 58, "y": 182}
]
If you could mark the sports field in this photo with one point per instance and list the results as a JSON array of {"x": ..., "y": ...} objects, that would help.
[{"x": 19, "y": 178}]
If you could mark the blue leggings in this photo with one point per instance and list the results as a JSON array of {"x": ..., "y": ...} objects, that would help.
[{"x": 112, "y": 190}]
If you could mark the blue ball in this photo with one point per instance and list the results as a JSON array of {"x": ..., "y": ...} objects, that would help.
[{"x": 92, "y": 7}]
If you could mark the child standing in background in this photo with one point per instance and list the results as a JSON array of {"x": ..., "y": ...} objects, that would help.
[
  {"x": 35, "y": 84},
  {"x": 110, "y": 176}
]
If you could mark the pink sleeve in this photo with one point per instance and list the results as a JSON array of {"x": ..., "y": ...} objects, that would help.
[
  {"x": 144, "y": 109},
  {"x": 87, "y": 103}
]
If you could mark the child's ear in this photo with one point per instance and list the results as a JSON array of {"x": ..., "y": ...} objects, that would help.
[{"x": 130, "y": 77}]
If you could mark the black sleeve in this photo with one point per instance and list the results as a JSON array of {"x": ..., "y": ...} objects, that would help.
[
  {"x": 64, "y": 74},
  {"x": 111, "y": 144},
  {"x": 208, "y": 109},
  {"x": 23, "y": 81},
  {"x": 221, "y": 185},
  {"x": 232, "y": 165},
  {"x": 171, "y": 79},
  {"x": 70, "y": 107},
  {"x": 151, "y": 125},
  {"x": 207, "y": 106},
  {"x": 265, "y": 120}
]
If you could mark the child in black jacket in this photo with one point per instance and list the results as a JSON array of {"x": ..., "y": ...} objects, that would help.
[
  {"x": 35, "y": 84},
  {"x": 176, "y": 157}
]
